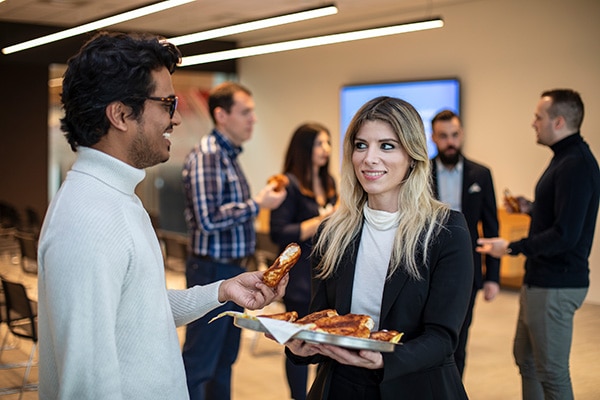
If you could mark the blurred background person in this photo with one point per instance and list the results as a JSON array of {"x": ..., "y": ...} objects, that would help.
[
  {"x": 395, "y": 253},
  {"x": 468, "y": 187},
  {"x": 561, "y": 233},
  {"x": 220, "y": 216},
  {"x": 311, "y": 196}
]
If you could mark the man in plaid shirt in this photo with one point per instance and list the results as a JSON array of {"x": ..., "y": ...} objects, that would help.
[{"x": 220, "y": 213}]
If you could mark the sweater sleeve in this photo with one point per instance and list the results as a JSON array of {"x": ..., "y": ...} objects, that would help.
[{"x": 190, "y": 304}]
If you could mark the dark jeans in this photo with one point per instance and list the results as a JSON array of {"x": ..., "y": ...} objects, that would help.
[{"x": 210, "y": 349}]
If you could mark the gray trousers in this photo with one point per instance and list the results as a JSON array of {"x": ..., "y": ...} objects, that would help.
[{"x": 542, "y": 343}]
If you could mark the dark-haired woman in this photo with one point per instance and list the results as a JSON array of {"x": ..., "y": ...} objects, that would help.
[{"x": 311, "y": 196}]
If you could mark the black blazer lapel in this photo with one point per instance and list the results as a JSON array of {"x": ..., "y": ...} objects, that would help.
[
  {"x": 391, "y": 292},
  {"x": 434, "y": 185},
  {"x": 345, "y": 279},
  {"x": 470, "y": 183},
  {"x": 468, "y": 180}
]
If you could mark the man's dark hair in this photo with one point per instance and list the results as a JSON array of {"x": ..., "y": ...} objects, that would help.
[
  {"x": 445, "y": 115},
  {"x": 222, "y": 96},
  {"x": 110, "y": 67},
  {"x": 568, "y": 104}
]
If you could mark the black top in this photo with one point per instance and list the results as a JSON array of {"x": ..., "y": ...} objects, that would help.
[{"x": 563, "y": 218}]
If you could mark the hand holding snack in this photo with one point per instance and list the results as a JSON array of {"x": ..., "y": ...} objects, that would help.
[
  {"x": 248, "y": 290},
  {"x": 363, "y": 358},
  {"x": 269, "y": 198},
  {"x": 282, "y": 265},
  {"x": 511, "y": 203},
  {"x": 280, "y": 181}
]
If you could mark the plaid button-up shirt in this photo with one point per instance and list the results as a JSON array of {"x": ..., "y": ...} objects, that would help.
[{"x": 219, "y": 210}]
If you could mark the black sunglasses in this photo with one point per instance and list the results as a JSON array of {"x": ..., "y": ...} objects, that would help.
[{"x": 171, "y": 100}]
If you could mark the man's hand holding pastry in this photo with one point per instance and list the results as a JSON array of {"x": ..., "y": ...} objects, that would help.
[{"x": 249, "y": 291}]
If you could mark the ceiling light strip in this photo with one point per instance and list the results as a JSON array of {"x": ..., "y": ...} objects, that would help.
[
  {"x": 78, "y": 30},
  {"x": 311, "y": 42},
  {"x": 254, "y": 25}
]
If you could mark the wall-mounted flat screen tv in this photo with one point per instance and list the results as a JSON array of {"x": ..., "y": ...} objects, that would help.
[{"x": 428, "y": 97}]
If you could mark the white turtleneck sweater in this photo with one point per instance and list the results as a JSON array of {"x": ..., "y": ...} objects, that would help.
[
  {"x": 107, "y": 324},
  {"x": 372, "y": 262}
]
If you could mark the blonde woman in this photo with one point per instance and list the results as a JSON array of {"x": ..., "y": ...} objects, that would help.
[{"x": 395, "y": 253}]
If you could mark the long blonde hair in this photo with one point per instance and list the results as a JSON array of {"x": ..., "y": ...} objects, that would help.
[{"x": 421, "y": 214}]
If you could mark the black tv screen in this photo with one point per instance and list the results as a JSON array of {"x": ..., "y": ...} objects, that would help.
[{"x": 428, "y": 96}]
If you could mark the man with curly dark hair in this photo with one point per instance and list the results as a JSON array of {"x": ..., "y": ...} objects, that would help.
[{"x": 107, "y": 324}]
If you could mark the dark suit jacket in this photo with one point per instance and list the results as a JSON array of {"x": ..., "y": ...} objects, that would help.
[
  {"x": 478, "y": 204},
  {"x": 430, "y": 312}
]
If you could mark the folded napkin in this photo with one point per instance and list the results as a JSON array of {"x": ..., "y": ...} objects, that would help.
[{"x": 282, "y": 331}]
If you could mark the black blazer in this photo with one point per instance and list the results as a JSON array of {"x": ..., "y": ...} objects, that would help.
[
  {"x": 430, "y": 312},
  {"x": 478, "y": 204}
]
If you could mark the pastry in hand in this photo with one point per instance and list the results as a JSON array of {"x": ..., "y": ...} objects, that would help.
[
  {"x": 282, "y": 265},
  {"x": 512, "y": 201},
  {"x": 280, "y": 180}
]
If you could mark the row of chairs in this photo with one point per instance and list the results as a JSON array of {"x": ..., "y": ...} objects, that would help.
[
  {"x": 19, "y": 314},
  {"x": 10, "y": 217},
  {"x": 175, "y": 249},
  {"x": 22, "y": 245}
]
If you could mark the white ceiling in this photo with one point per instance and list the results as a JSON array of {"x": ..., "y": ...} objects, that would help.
[{"x": 207, "y": 14}]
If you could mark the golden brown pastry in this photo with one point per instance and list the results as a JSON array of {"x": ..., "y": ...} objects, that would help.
[
  {"x": 512, "y": 201},
  {"x": 357, "y": 325},
  {"x": 384, "y": 335},
  {"x": 282, "y": 265},
  {"x": 280, "y": 180},
  {"x": 289, "y": 316},
  {"x": 311, "y": 318}
]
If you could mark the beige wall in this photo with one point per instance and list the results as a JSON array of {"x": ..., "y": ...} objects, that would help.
[{"x": 505, "y": 52}]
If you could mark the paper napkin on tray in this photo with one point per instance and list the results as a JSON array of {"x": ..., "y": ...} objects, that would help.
[{"x": 282, "y": 331}]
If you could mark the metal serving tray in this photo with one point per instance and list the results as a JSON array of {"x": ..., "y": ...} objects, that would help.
[
  {"x": 349, "y": 342},
  {"x": 251, "y": 323}
]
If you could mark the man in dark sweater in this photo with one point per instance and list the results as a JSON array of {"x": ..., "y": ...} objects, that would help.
[{"x": 563, "y": 220}]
